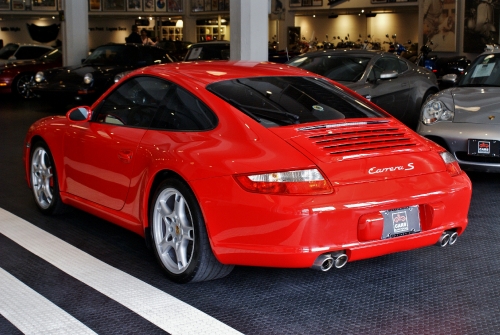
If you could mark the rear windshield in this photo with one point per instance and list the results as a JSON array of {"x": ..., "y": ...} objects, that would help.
[{"x": 277, "y": 101}]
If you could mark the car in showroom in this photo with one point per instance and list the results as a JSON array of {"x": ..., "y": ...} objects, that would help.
[
  {"x": 465, "y": 118},
  {"x": 18, "y": 77},
  {"x": 84, "y": 83},
  {"x": 220, "y": 164},
  {"x": 392, "y": 82},
  {"x": 22, "y": 51}
]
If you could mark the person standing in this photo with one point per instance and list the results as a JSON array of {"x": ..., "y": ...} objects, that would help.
[
  {"x": 134, "y": 36},
  {"x": 145, "y": 40}
]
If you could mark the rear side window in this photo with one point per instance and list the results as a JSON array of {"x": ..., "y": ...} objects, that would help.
[
  {"x": 27, "y": 52},
  {"x": 276, "y": 101}
]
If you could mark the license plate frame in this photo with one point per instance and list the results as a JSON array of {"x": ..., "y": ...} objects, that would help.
[
  {"x": 488, "y": 148},
  {"x": 401, "y": 222}
]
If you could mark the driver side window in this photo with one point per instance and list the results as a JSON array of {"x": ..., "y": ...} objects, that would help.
[
  {"x": 134, "y": 103},
  {"x": 384, "y": 64}
]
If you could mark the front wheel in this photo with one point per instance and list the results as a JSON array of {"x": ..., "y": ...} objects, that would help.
[
  {"x": 22, "y": 86},
  {"x": 44, "y": 181},
  {"x": 179, "y": 235}
]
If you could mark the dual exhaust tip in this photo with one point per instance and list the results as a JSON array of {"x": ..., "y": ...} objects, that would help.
[
  {"x": 327, "y": 261},
  {"x": 448, "y": 237}
]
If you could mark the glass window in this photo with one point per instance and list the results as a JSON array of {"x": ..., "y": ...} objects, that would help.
[
  {"x": 484, "y": 71},
  {"x": 402, "y": 66},
  {"x": 275, "y": 101},
  {"x": 8, "y": 50},
  {"x": 338, "y": 68},
  {"x": 382, "y": 65},
  {"x": 180, "y": 110},
  {"x": 134, "y": 103},
  {"x": 27, "y": 52}
]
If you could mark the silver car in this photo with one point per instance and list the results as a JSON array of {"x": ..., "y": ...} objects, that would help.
[
  {"x": 465, "y": 119},
  {"x": 392, "y": 82}
]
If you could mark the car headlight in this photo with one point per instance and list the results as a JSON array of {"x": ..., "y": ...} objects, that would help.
[
  {"x": 88, "y": 78},
  {"x": 39, "y": 77},
  {"x": 435, "y": 111},
  {"x": 295, "y": 182}
]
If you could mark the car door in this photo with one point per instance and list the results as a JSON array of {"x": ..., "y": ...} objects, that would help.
[
  {"x": 390, "y": 94},
  {"x": 100, "y": 155}
]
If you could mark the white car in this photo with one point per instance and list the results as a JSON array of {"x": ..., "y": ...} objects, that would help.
[{"x": 19, "y": 51}]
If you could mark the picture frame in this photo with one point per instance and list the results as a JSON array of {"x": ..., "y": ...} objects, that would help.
[
  {"x": 4, "y": 5},
  {"x": 160, "y": 5},
  {"x": 113, "y": 5},
  {"x": 175, "y": 6},
  {"x": 317, "y": 3},
  {"x": 306, "y": 3},
  {"x": 18, "y": 5},
  {"x": 43, "y": 5},
  {"x": 208, "y": 5},
  {"x": 215, "y": 4},
  {"x": 198, "y": 6},
  {"x": 134, "y": 5},
  {"x": 439, "y": 26},
  {"x": 148, "y": 5},
  {"x": 295, "y": 3},
  {"x": 95, "y": 5}
]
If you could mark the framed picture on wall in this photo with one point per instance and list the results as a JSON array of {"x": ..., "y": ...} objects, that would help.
[
  {"x": 161, "y": 5},
  {"x": 114, "y": 5},
  {"x": 306, "y": 3},
  {"x": 95, "y": 5},
  {"x": 208, "y": 5},
  {"x": 149, "y": 6},
  {"x": 175, "y": 6},
  {"x": 133, "y": 5},
  {"x": 479, "y": 29},
  {"x": 43, "y": 5},
  {"x": 198, "y": 5},
  {"x": 439, "y": 25},
  {"x": 317, "y": 3},
  {"x": 295, "y": 3},
  {"x": 4, "y": 4},
  {"x": 17, "y": 5}
]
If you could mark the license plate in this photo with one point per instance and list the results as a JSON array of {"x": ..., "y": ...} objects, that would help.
[
  {"x": 484, "y": 148},
  {"x": 400, "y": 222}
]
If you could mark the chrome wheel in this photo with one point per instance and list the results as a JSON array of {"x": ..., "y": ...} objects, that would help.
[
  {"x": 42, "y": 180},
  {"x": 173, "y": 230},
  {"x": 23, "y": 86}
]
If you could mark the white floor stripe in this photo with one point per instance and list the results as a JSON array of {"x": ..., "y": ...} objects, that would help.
[
  {"x": 31, "y": 313},
  {"x": 163, "y": 310}
]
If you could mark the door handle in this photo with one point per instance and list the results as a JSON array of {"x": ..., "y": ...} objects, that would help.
[{"x": 125, "y": 156}]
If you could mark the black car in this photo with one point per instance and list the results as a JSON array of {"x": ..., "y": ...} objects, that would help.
[
  {"x": 177, "y": 49},
  {"x": 86, "y": 82}
]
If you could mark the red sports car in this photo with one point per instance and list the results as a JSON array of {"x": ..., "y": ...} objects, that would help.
[{"x": 219, "y": 164}]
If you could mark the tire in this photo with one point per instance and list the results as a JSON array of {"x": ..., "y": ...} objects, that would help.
[
  {"x": 179, "y": 237},
  {"x": 21, "y": 86},
  {"x": 44, "y": 182}
]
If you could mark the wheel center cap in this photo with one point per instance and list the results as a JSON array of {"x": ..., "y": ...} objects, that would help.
[{"x": 177, "y": 230}]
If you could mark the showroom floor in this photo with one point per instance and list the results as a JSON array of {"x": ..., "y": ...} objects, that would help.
[{"x": 77, "y": 274}]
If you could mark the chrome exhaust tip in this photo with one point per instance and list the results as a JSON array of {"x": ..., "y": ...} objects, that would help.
[
  {"x": 339, "y": 259},
  {"x": 443, "y": 240},
  {"x": 323, "y": 263},
  {"x": 453, "y": 237}
]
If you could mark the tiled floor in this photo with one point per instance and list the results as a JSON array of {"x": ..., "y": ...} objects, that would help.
[{"x": 77, "y": 274}]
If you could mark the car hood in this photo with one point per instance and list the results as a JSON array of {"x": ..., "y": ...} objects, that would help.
[
  {"x": 479, "y": 105},
  {"x": 356, "y": 152}
]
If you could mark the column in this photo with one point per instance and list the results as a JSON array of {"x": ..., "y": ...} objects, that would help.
[
  {"x": 75, "y": 31},
  {"x": 249, "y": 29}
]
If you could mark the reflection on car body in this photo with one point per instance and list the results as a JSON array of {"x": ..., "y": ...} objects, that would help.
[{"x": 224, "y": 163}]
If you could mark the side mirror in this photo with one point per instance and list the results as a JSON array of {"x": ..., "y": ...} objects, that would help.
[
  {"x": 82, "y": 113},
  {"x": 450, "y": 78},
  {"x": 390, "y": 74}
]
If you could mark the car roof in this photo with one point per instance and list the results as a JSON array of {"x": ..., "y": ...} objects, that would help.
[{"x": 208, "y": 72}]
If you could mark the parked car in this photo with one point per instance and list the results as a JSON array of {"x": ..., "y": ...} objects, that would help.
[
  {"x": 220, "y": 50},
  {"x": 177, "y": 49},
  {"x": 392, "y": 82},
  {"x": 18, "y": 77},
  {"x": 86, "y": 82},
  {"x": 224, "y": 163},
  {"x": 20, "y": 51},
  {"x": 465, "y": 119}
]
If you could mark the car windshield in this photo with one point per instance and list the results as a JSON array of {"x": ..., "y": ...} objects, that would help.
[
  {"x": 8, "y": 50},
  {"x": 208, "y": 52},
  {"x": 485, "y": 71},
  {"x": 277, "y": 101},
  {"x": 51, "y": 55},
  {"x": 338, "y": 68},
  {"x": 112, "y": 55}
]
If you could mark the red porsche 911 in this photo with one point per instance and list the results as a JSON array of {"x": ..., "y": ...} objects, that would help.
[{"x": 220, "y": 164}]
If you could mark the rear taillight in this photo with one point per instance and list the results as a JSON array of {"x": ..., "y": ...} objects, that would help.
[
  {"x": 297, "y": 182},
  {"x": 451, "y": 163}
]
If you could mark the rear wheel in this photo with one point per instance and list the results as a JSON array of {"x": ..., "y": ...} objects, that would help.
[
  {"x": 179, "y": 235},
  {"x": 21, "y": 86},
  {"x": 44, "y": 181}
]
